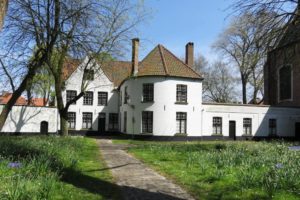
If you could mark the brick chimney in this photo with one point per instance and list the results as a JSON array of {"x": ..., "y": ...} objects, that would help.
[
  {"x": 135, "y": 56},
  {"x": 189, "y": 54}
]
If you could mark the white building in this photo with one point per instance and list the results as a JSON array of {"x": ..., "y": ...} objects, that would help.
[{"x": 161, "y": 96}]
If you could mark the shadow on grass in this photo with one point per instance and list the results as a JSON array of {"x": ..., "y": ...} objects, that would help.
[{"x": 80, "y": 180}]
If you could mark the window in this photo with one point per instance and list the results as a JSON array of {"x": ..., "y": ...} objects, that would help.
[
  {"x": 126, "y": 97},
  {"x": 147, "y": 121},
  {"x": 87, "y": 119},
  {"x": 71, "y": 94},
  {"x": 88, "y": 75},
  {"x": 285, "y": 82},
  {"x": 247, "y": 126},
  {"x": 148, "y": 90},
  {"x": 88, "y": 98},
  {"x": 181, "y": 122},
  {"x": 102, "y": 98},
  {"x": 217, "y": 126},
  {"x": 272, "y": 126},
  {"x": 113, "y": 121},
  {"x": 181, "y": 95},
  {"x": 72, "y": 120},
  {"x": 125, "y": 122}
]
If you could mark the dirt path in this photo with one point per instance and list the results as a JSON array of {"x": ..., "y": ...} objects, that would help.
[{"x": 136, "y": 180}]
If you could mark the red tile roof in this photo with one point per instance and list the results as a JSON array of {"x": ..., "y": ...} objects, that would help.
[
  {"x": 159, "y": 62},
  {"x": 4, "y": 98},
  {"x": 40, "y": 102}
]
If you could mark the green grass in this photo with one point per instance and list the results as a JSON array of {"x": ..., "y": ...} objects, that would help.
[
  {"x": 53, "y": 168},
  {"x": 226, "y": 170}
]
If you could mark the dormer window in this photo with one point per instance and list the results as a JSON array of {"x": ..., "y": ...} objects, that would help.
[
  {"x": 88, "y": 75},
  {"x": 285, "y": 83}
]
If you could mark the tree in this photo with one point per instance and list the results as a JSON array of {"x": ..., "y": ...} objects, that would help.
[
  {"x": 219, "y": 83},
  {"x": 28, "y": 39},
  {"x": 92, "y": 30},
  {"x": 245, "y": 43}
]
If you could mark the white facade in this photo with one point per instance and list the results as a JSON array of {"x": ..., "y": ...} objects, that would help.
[
  {"x": 286, "y": 118},
  {"x": 165, "y": 116},
  {"x": 164, "y": 106},
  {"x": 101, "y": 83},
  {"x": 28, "y": 119}
]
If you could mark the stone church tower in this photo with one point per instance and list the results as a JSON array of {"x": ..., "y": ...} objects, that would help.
[{"x": 3, "y": 8}]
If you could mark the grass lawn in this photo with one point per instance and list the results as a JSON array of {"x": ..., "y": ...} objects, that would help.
[
  {"x": 226, "y": 170},
  {"x": 51, "y": 167}
]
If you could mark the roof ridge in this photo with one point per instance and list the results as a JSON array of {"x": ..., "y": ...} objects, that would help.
[
  {"x": 182, "y": 62},
  {"x": 160, "y": 47}
]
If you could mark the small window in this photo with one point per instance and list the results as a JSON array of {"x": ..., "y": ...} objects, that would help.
[
  {"x": 247, "y": 126},
  {"x": 125, "y": 122},
  {"x": 126, "y": 96},
  {"x": 102, "y": 98},
  {"x": 88, "y": 75},
  {"x": 113, "y": 121},
  {"x": 72, "y": 120},
  {"x": 71, "y": 94},
  {"x": 217, "y": 126},
  {"x": 285, "y": 82},
  {"x": 147, "y": 122},
  {"x": 272, "y": 126},
  {"x": 87, "y": 119},
  {"x": 148, "y": 92},
  {"x": 88, "y": 98},
  {"x": 181, "y": 122},
  {"x": 181, "y": 95}
]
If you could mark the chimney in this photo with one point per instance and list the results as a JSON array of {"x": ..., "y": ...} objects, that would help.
[
  {"x": 135, "y": 56},
  {"x": 189, "y": 54}
]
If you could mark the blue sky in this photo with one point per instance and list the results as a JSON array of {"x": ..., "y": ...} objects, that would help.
[{"x": 175, "y": 22}]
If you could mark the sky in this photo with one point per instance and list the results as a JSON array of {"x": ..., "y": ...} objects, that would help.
[{"x": 174, "y": 23}]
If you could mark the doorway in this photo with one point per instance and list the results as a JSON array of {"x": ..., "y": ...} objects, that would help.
[
  {"x": 101, "y": 123},
  {"x": 297, "y": 130},
  {"x": 232, "y": 130},
  {"x": 44, "y": 128}
]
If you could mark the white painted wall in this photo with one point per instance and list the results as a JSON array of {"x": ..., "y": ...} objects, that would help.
[
  {"x": 164, "y": 107},
  {"x": 100, "y": 84},
  {"x": 260, "y": 115},
  {"x": 27, "y": 119}
]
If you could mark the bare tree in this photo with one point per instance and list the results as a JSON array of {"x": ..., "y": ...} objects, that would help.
[
  {"x": 245, "y": 43},
  {"x": 219, "y": 83},
  {"x": 94, "y": 28},
  {"x": 28, "y": 39}
]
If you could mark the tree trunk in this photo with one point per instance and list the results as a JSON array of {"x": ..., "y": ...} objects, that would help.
[
  {"x": 244, "y": 90},
  {"x": 64, "y": 124},
  {"x": 63, "y": 113},
  {"x": 7, "y": 108}
]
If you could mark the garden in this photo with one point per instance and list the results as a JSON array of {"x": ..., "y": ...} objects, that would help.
[
  {"x": 226, "y": 170},
  {"x": 33, "y": 168}
]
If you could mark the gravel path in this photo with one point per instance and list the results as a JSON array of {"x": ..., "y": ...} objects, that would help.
[{"x": 136, "y": 180}]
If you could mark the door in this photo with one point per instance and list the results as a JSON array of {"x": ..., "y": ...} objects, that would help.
[
  {"x": 232, "y": 130},
  {"x": 44, "y": 128},
  {"x": 297, "y": 130},
  {"x": 101, "y": 122}
]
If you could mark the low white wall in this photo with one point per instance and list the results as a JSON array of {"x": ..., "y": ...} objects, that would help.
[
  {"x": 27, "y": 119},
  {"x": 260, "y": 115}
]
